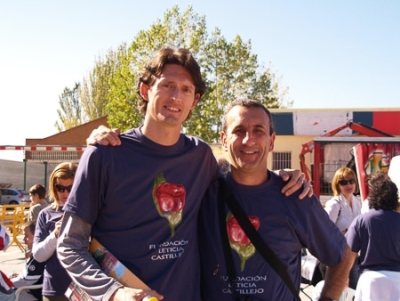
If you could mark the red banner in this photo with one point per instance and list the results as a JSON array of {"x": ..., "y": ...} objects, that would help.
[{"x": 370, "y": 158}]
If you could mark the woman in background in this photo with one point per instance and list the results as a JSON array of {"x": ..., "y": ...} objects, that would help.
[
  {"x": 343, "y": 208},
  {"x": 56, "y": 279}
]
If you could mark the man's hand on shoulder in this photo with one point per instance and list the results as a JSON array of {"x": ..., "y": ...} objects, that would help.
[
  {"x": 104, "y": 136},
  {"x": 296, "y": 180}
]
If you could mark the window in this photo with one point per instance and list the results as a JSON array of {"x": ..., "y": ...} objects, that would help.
[{"x": 281, "y": 160}]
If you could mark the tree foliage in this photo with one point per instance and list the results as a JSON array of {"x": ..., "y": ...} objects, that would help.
[
  {"x": 70, "y": 109},
  {"x": 95, "y": 88},
  {"x": 230, "y": 69},
  {"x": 87, "y": 101}
]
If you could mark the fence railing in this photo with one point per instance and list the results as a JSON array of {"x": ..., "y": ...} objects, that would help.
[{"x": 13, "y": 217}]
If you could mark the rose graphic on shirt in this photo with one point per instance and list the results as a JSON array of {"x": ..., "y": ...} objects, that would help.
[
  {"x": 169, "y": 199},
  {"x": 238, "y": 239}
]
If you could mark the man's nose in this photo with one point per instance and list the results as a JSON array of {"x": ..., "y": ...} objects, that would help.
[
  {"x": 248, "y": 138},
  {"x": 176, "y": 94}
]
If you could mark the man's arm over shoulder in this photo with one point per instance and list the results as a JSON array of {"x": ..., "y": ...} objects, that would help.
[
  {"x": 104, "y": 136},
  {"x": 336, "y": 277},
  {"x": 81, "y": 266}
]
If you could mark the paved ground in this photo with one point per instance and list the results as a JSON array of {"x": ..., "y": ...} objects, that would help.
[{"x": 13, "y": 260}]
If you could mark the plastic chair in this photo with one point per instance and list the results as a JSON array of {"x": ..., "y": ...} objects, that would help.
[
  {"x": 308, "y": 265},
  {"x": 24, "y": 288},
  {"x": 19, "y": 219}
]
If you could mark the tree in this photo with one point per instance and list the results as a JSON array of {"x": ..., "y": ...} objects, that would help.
[
  {"x": 95, "y": 88},
  {"x": 230, "y": 70},
  {"x": 70, "y": 109}
]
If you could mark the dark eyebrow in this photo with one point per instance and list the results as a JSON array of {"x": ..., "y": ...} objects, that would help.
[{"x": 261, "y": 126}]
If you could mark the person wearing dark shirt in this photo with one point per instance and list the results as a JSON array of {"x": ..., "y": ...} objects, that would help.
[
  {"x": 375, "y": 235},
  {"x": 56, "y": 279},
  {"x": 33, "y": 271}
]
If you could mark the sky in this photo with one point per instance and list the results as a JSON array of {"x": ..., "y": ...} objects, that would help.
[{"x": 330, "y": 54}]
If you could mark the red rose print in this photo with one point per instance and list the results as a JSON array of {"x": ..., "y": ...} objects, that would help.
[
  {"x": 169, "y": 199},
  {"x": 238, "y": 239}
]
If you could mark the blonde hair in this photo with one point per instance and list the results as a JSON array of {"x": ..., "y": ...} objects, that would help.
[
  {"x": 341, "y": 174},
  {"x": 65, "y": 170}
]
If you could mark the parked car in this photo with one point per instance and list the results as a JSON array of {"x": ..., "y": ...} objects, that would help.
[
  {"x": 11, "y": 196},
  {"x": 27, "y": 198}
]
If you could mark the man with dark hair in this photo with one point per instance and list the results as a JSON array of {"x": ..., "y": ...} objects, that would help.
[
  {"x": 286, "y": 224},
  {"x": 141, "y": 199},
  {"x": 375, "y": 235}
]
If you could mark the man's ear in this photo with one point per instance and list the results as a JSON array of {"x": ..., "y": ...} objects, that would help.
[
  {"x": 272, "y": 142},
  {"x": 195, "y": 100},
  {"x": 144, "y": 90},
  {"x": 222, "y": 137}
]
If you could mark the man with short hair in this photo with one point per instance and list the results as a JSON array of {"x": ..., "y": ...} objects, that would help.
[{"x": 286, "y": 224}]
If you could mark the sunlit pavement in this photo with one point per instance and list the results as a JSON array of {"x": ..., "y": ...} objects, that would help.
[{"x": 12, "y": 260}]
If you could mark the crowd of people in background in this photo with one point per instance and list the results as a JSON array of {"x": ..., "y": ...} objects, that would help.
[
  {"x": 40, "y": 237},
  {"x": 371, "y": 229}
]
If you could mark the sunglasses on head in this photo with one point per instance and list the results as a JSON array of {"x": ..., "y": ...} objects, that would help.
[
  {"x": 61, "y": 188},
  {"x": 345, "y": 182}
]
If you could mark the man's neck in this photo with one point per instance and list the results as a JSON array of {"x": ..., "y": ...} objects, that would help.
[
  {"x": 161, "y": 134},
  {"x": 249, "y": 178}
]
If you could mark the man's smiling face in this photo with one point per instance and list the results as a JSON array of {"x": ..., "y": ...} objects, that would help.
[
  {"x": 171, "y": 97},
  {"x": 248, "y": 140}
]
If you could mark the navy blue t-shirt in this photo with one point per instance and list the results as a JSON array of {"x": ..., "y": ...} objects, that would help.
[
  {"x": 376, "y": 235},
  {"x": 286, "y": 224},
  {"x": 142, "y": 200},
  {"x": 55, "y": 277}
]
